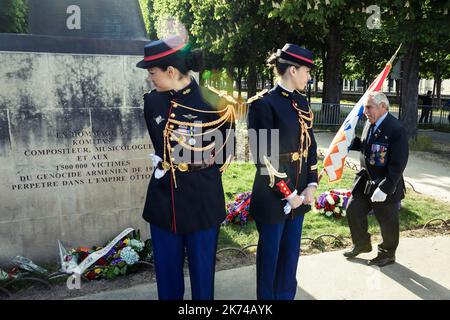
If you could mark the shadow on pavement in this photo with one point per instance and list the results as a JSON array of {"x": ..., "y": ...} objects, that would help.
[
  {"x": 423, "y": 287},
  {"x": 303, "y": 295}
]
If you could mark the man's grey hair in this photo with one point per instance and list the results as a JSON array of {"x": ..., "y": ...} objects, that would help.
[{"x": 379, "y": 97}]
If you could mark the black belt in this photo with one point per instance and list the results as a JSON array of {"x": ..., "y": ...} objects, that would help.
[
  {"x": 187, "y": 167},
  {"x": 290, "y": 157}
]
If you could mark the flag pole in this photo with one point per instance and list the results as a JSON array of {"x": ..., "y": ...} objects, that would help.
[
  {"x": 395, "y": 55},
  {"x": 320, "y": 176}
]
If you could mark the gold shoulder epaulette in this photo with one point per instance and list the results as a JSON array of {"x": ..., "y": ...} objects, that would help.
[
  {"x": 227, "y": 97},
  {"x": 257, "y": 96},
  {"x": 145, "y": 93}
]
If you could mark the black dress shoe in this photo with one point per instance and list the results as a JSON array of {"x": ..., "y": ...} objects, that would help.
[
  {"x": 381, "y": 261},
  {"x": 357, "y": 250}
]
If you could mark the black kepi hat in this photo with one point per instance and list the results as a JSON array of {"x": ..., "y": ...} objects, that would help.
[
  {"x": 296, "y": 54},
  {"x": 163, "y": 51}
]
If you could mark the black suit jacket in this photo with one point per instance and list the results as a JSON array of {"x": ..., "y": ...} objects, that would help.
[{"x": 383, "y": 159}]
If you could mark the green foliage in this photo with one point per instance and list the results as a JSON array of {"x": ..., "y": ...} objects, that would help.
[
  {"x": 13, "y": 16},
  {"x": 238, "y": 35},
  {"x": 426, "y": 22},
  {"x": 367, "y": 54},
  {"x": 146, "y": 8}
]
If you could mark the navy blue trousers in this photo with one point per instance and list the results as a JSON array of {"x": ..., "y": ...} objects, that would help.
[
  {"x": 277, "y": 258},
  {"x": 169, "y": 251}
]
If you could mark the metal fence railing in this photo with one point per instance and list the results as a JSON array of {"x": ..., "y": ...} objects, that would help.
[
  {"x": 434, "y": 114},
  {"x": 326, "y": 114}
]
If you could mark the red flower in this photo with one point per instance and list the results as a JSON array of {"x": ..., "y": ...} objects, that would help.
[
  {"x": 91, "y": 275},
  {"x": 83, "y": 255},
  {"x": 101, "y": 262}
]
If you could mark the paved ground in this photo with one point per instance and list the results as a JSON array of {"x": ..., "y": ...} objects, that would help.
[
  {"x": 436, "y": 136},
  {"x": 427, "y": 176},
  {"x": 421, "y": 272}
]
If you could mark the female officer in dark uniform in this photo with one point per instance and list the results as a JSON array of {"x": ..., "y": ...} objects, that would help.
[
  {"x": 185, "y": 200},
  {"x": 285, "y": 181}
]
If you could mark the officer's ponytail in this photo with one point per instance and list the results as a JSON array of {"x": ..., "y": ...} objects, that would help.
[
  {"x": 184, "y": 61},
  {"x": 279, "y": 65},
  {"x": 194, "y": 60},
  {"x": 187, "y": 61},
  {"x": 272, "y": 59}
]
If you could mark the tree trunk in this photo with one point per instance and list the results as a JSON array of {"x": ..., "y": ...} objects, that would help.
[
  {"x": 437, "y": 84},
  {"x": 239, "y": 82},
  {"x": 324, "y": 61},
  {"x": 316, "y": 86},
  {"x": 332, "y": 73},
  {"x": 410, "y": 87},
  {"x": 438, "y": 90},
  {"x": 366, "y": 78},
  {"x": 229, "y": 83},
  {"x": 397, "y": 91},
  {"x": 251, "y": 80}
]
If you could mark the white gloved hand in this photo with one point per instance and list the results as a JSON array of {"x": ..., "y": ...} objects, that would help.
[
  {"x": 291, "y": 196},
  {"x": 159, "y": 173},
  {"x": 287, "y": 208},
  {"x": 378, "y": 195}
]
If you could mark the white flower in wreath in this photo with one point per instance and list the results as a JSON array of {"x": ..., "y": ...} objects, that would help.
[
  {"x": 330, "y": 199},
  {"x": 136, "y": 245},
  {"x": 343, "y": 213},
  {"x": 341, "y": 201},
  {"x": 329, "y": 213},
  {"x": 129, "y": 255},
  {"x": 322, "y": 211},
  {"x": 337, "y": 209}
]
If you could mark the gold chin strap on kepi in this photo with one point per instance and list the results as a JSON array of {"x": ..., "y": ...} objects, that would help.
[{"x": 171, "y": 133}]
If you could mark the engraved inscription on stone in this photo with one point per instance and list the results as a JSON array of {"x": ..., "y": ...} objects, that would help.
[{"x": 91, "y": 158}]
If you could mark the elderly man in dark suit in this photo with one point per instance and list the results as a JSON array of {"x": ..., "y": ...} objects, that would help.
[{"x": 379, "y": 186}]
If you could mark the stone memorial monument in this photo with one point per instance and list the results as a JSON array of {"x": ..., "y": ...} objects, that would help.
[{"x": 73, "y": 141}]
